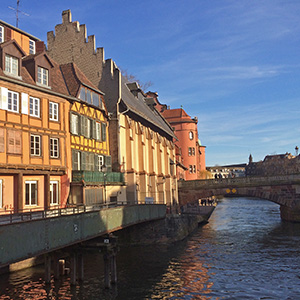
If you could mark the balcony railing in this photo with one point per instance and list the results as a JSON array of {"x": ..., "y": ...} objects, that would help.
[{"x": 98, "y": 177}]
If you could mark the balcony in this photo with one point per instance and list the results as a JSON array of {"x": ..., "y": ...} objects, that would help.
[{"x": 90, "y": 177}]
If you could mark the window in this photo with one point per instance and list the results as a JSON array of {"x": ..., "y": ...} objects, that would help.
[
  {"x": 34, "y": 107},
  {"x": 103, "y": 129},
  {"x": 14, "y": 145},
  {"x": 11, "y": 65},
  {"x": 31, "y": 192},
  {"x": 43, "y": 76},
  {"x": 13, "y": 101},
  {"x": 74, "y": 123},
  {"x": 82, "y": 94},
  {"x": 53, "y": 111},
  {"x": 190, "y": 169},
  {"x": 95, "y": 99},
  {"x": 35, "y": 145},
  {"x": 190, "y": 151},
  {"x": 88, "y": 96},
  {"x": 191, "y": 135},
  {"x": 76, "y": 160},
  {"x": 54, "y": 195},
  {"x": 1, "y": 34},
  {"x": 54, "y": 147},
  {"x": 99, "y": 162},
  {"x": 31, "y": 47},
  {"x": 98, "y": 131},
  {"x": 193, "y": 151},
  {"x": 194, "y": 169}
]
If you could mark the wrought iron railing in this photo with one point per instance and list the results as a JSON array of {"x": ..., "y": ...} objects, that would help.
[{"x": 98, "y": 177}]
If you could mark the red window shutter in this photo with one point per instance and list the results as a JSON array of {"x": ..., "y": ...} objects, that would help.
[
  {"x": 7, "y": 34},
  {"x": 10, "y": 141}
]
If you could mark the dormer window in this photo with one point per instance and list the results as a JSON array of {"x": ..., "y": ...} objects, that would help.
[
  {"x": 1, "y": 34},
  {"x": 31, "y": 47},
  {"x": 11, "y": 65},
  {"x": 43, "y": 76}
]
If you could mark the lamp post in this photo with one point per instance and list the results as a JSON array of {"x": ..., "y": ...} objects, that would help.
[{"x": 103, "y": 170}]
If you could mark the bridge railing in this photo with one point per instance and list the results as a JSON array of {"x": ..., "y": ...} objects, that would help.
[
  {"x": 25, "y": 215},
  {"x": 277, "y": 179}
]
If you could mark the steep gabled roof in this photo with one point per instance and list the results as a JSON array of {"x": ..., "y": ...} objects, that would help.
[
  {"x": 138, "y": 106},
  {"x": 177, "y": 115}
]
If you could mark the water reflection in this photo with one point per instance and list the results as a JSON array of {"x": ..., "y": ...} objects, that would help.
[{"x": 244, "y": 252}]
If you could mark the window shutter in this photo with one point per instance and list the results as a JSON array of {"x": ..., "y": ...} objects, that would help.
[
  {"x": 3, "y": 98},
  {"x": 83, "y": 161},
  {"x": 97, "y": 167},
  {"x": 91, "y": 161},
  {"x": 71, "y": 124},
  {"x": 103, "y": 130},
  {"x": 94, "y": 136},
  {"x": 74, "y": 160},
  {"x": 24, "y": 101},
  {"x": 2, "y": 140},
  {"x": 18, "y": 142},
  {"x": 7, "y": 34},
  {"x": 108, "y": 163},
  {"x": 10, "y": 141}
]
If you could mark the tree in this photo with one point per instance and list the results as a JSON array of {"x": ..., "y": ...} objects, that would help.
[{"x": 132, "y": 78}]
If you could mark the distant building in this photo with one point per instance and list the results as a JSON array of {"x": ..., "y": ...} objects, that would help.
[
  {"x": 278, "y": 164},
  {"x": 186, "y": 131},
  {"x": 227, "y": 171}
]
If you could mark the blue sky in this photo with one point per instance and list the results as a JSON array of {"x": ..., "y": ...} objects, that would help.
[{"x": 233, "y": 64}]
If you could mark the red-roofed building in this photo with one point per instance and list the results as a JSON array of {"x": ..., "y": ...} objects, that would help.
[{"x": 186, "y": 130}]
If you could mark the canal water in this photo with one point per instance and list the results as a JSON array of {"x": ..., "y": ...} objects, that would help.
[{"x": 244, "y": 252}]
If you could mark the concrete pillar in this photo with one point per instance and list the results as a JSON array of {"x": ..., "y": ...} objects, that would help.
[
  {"x": 56, "y": 266},
  {"x": 80, "y": 267},
  {"x": 73, "y": 270},
  {"x": 290, "y": 214},
  {"x": 107, "y": 266},
  {"x": 47, "y": 268},
  {"x": 113, "y": 266}
]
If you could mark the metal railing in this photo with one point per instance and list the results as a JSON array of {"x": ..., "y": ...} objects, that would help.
[
  {"x": 98, "y": 177},
  {"x": 25, "y": 215}
]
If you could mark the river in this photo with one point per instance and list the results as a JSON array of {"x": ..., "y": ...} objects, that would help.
[{"x": 244, "y": 252}]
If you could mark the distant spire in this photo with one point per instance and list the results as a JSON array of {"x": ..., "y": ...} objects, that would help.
[
  {"x": 17, "y": 12},
  {"x": 250, "y": 159}
]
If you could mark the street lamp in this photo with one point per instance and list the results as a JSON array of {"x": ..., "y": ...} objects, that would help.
[{"x": 103, "y": 170}]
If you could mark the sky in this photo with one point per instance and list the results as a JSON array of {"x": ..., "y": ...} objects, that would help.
[{"x": 233, "y": 64}]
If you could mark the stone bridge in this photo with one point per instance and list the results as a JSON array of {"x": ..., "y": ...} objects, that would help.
[{"x": 283, "y": 190}]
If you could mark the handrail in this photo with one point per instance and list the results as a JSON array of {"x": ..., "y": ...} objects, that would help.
[{"x": 25, "y": 215}]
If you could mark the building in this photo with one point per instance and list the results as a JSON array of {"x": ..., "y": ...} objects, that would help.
[
  {"x": 141, "y": 141},
  {"x": 186, "y": 131},
  {"x": 35, "y": 160},
  {"x": 227, "y": 171},
  {"x": 92, "y": 179},
  {"x": 278, "y": 164}
]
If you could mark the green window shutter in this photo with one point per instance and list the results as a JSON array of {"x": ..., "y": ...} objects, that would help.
[
  {"x": 94, "y": 136},
  {"x": 103, "y": 130},
  {"x": 97, "y": 167},
  {"x": 83, "y": 161},
  {"x": 108, "y": 163}
]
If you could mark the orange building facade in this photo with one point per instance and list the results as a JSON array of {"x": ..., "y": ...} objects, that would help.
[
  {"x": 191, "y": 154},
  {"x": 35, "y": 160}
]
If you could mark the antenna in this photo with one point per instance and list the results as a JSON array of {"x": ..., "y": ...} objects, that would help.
[{"x": 17, "y": 12}]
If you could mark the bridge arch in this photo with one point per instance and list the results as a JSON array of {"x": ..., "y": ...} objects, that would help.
[{"x": 283, "y": 190}]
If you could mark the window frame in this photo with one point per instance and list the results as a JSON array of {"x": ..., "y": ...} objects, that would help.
[
  {"x": 32, "y": 47},
  {"x": 52, "y": 196},
  {"x": 35, "y": 107},
  {"x": 30, "y": 183},
  {"x": 35, "y": 151},
  {"x": 54, "y": 153},
  {"x": 42, "y": 76},
  {"x": 11, "y": 101},
  {"x": 11, "y": 65},
  {"x": 75, "y": 123},
  {"x": 1, "y": 34},
  {"x": 53, "y": 112}
]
